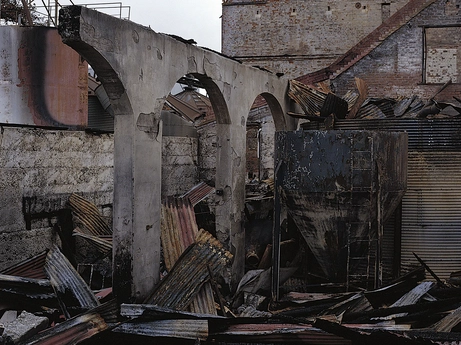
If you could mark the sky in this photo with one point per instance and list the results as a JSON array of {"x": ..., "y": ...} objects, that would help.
[{"x": 196, "y": 19}]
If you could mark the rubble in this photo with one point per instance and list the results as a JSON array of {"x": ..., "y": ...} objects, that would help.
[
  {"x": 360, "y": 106},
  {"x": 23, "y": 327},
  {"x": 409, "y": 310}
]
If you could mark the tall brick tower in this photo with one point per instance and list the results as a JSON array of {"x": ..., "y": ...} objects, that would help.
[{"x": 296, "y": 37}]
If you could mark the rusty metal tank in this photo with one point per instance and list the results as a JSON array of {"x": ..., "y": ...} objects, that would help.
[{"x": 339, "y": 186}]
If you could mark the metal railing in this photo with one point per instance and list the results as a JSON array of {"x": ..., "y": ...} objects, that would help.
[{"x": 48, "y": 13}]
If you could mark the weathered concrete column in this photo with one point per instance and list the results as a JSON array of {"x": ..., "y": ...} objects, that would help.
[
  {"x": 230, "y": 195},
  {"x": 112, "y": 48}
]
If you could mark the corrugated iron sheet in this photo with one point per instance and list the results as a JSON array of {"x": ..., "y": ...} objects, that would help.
[
  {"x": 98, "y": 117},
  {"x": 32, "y": 288},
  {"x": 180, "y": 329},
  {"x": 102, "y": 245},
  {"x": 178, "y": 228},
  {"x": 431, "y": 219},
  {"x": 190, "y": 272},
  {"x": 67, "y": 283},
  {"x": 89, "y": 215},
  {"x": 156, "y": 312},
  {"x": 178, "y": 231},
  {"x": 309, "y": 99},
  {"x": 72, "y": 331},
  {"x": 423, "y": 134},
  {"x": 29, "y": 268},
  {"x": 276, "y": 333},
  {"x": 198, "y": 193}
]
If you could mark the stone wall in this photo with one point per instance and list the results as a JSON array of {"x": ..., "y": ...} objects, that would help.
[
  {"x": 39, "y": 170},
  {"x": 397, "y": 67},
  {"x": 179, "y": 165},
  {"x": 207, "y": 152},
  {"x": 296, "y": 37}
]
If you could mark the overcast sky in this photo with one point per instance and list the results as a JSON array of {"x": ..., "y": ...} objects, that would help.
[{"x": 196, "y": 19}]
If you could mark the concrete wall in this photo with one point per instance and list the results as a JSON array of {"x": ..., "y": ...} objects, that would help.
[
  {"x": 297, "y": 36},
  {"x": 39, "y": 169},
  {"x": 396, "y": 67},
  {"x": 37, "y": 76}
]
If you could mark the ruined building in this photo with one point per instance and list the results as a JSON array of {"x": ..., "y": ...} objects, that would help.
[{"x": 402, "y": 50}]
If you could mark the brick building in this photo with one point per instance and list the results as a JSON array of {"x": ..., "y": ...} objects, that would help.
[
  {"x": 297, "y": 36},
  {"x": 400, "y": 48}
]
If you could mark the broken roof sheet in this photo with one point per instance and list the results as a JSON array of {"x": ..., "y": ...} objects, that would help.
[
  {"x": 68, "y": 284},
  {"x": 190, "y": 272},
  {"x": 29, "y": 268},
  {"x": 89, "y": 215},
  {"x": 198, "y": 193},
  {"x": 29, "y": 287}
]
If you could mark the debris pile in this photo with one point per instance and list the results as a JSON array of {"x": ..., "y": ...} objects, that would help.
[
  {"x": 319, "y": 103},
  {"x": 46, "y": 301}
]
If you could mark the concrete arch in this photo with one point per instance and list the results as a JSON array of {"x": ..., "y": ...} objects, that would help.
[
  {"x": 276, "y": 111},
  {"x": 138, "y": 68},
  {"x": 216, "y": 97}
]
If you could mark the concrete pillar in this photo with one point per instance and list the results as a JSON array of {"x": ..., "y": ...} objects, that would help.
[{"x": 230, "y": 196}]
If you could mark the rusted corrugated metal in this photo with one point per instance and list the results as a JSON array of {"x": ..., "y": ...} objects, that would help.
[
  {"x": 156, "y": 312},
  {"x": 89, "y": 215},
  {"x": 310, "y": 99},
  {"x": 198, "y": 193},
  {"x": 180, "y": 329},
  {"x": 423, "y": 134},
  {"x": 102, "y": 245},
  {"x": 179, "y": 228},
  {"x": 277, "y": 333},
  {"x": 28, "y": 287},
  {"x": 190, "y": 272},
  {"x": 72, "y": 331},
  {"x": 30, "y": 268},
  {"x": 70, "y": 287},
  {"x": 178, "y": 231}
]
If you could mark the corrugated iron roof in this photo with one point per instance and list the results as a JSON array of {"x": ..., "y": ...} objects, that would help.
[
  {"x": 190, "y": 272},
  {"x": 198, "y": 193},
  {"x": 102, "y": 245},
  {"x": 178, "y": 231},
  {"x": 29, "y": 287},
  {"x": 275, "y": 333},
  {"x": 89, "y": 215},
  {"x": 68, "y": 284},
  {"x": 181, "y": 329},
  {"x": 29, "y": 268},
  {"x": 157, "y": 312},
  {"x": 72, "y": 331}
]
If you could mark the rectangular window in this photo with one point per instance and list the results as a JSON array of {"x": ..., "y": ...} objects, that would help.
[{"x": 442, "y": 55}]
